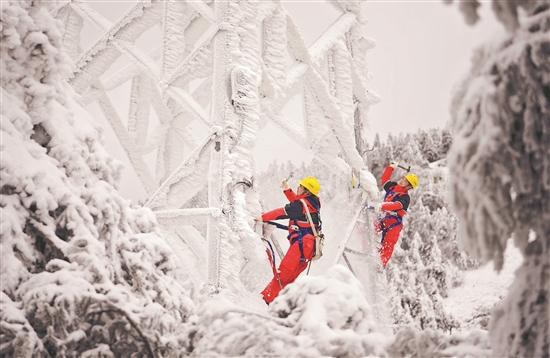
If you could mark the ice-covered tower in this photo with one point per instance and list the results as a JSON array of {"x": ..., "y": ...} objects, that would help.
[{"x": 200, "y": 78}]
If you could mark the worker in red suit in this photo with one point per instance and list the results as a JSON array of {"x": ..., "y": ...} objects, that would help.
[
  {"x": 300, "y": 233},
  {"x": 394, "y": 207}
]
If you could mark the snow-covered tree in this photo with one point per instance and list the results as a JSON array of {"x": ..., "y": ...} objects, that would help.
[
  {"x": 427, "y": 261},
  {"x": 417, "y": 279},
  {"x": 410, "y": 342},
  {"x": 316, "y": 316},
  {"x": 82, "y": 272},
  {"x": 446, "y": 141},
  {"x": 500, "y": 164},
  {"x": 428, "y": 143},
  {"x": 406, "y": 150},
  {"x": 416, "y": 149}
]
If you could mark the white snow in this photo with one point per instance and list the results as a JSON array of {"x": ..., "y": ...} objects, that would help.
[
  {"x": 316, "y": 316},
  {"x": 483, "y": 288},
  {"x": 86, "y": 272}
]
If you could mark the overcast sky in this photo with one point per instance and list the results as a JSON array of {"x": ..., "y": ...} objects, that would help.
[{"x": 423, "y": 49}]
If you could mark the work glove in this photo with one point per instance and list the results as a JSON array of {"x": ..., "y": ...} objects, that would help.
[
  {"x": 394, "y": 164},
  {"x": 284, "y": 185}
]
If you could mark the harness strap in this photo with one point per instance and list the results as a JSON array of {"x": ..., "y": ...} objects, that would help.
[
  {"x": 390, "y": 195},
  {"x": 297, "y": 224},
  {"x": 301, "y": 247},
  {"x": 312, "y": 226},
  {"x": 301, "y": 233},
  {"x": 316, "y": 207},
  {"x": 277, "y": 225},
  {"x": 386, "y": 229},
  {"x": 309, "y": 220}
]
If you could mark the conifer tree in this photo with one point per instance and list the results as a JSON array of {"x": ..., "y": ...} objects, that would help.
[{"x": 500, "y": 168}]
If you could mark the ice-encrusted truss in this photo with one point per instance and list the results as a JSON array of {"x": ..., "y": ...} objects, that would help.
[{"x": 214, "y": 73}]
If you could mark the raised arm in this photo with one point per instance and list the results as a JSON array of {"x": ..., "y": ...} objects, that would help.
[
  {"x": 290, "y": 195},
  {"x": 386, "y": 175}
]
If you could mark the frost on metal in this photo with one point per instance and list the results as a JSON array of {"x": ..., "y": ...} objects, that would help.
[{"x": 221, "y": 71}]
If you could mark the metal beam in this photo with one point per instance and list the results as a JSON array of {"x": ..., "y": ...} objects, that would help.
[{"x": 192, "y": 212}]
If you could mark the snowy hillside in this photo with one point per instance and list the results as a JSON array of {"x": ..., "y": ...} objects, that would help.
[{"x": 472, "y": 302}]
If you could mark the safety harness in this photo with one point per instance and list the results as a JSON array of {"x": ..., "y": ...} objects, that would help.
[
  {"x": 298, "y": 232},
  {"x": 390, "y": 196},
  {"x": 385, "y": 229},
  {"x": 301, "y": 233}
]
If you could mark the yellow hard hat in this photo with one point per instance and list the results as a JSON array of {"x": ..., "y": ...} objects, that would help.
[
  {"x": 412, "y": 179},
  {"x": 311, "y": 184}
]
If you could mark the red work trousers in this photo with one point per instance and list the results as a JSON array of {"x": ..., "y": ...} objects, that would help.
[
  {"x": 290, "y": 268},
  {"x": 392, "y": 235}
]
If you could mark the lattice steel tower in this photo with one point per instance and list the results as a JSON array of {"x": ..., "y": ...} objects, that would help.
[{"x": 203, "y": 77}]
